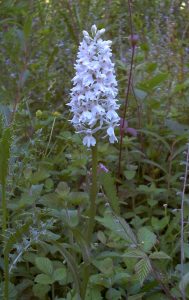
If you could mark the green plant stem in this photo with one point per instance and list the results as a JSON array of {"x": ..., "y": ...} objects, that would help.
[
  {"x": 85, "y": 281},
  {"x": 93, "y": 193},
  {"x": 92, "y": 214},
  {"x": 4, "y": 208},
  {"x": 6, "y": 258}
]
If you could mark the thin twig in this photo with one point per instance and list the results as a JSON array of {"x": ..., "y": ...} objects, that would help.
[
  {"x": 128, "y": 88},
  {"x": 125, "y": 110}
]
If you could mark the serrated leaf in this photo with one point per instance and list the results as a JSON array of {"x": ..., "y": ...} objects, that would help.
[
  {"x": 146, "y": 238},
  {"x": 40, "y": 290},
  {"x": 44, "y": 265},
  {"x": 119, "y": 226},
  {"x": 105, "y": 265},
  {"x": 101, "y": 280},
  {"x": 43, "y": 279},
  {"x": 59, "y": 274},
  {"x": 39, "y": 176},
  {"x": 143, "y": 268},
  {"x": 62, "y": 189},
  {"x": 134, "y": 253},
  {"x": 93, "y": 293},
  {"x": 160, "y": 224},
  {"x": 159, "y": 255},
  {"x": 129, "y": 174},
  {"x": 113, "y": 294},
  {"x": 121, "y": 278}
]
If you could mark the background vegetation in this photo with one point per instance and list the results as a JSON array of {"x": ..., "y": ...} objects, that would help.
[{"x": 140, "y": 246}]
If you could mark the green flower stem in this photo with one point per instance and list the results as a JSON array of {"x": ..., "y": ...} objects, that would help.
[
  {"x": 4, "y": 208},
  {"x": 92, "y": 214},
  {"x": 6, "y": 258},
  {"x": 93, "y": 194}
]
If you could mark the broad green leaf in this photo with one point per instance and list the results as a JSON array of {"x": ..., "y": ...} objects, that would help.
[
  {"x": 105, "y": 254},
  {"x": 59, "y": 274},
  {"x": 160, "y": 224},
  {"x": 62, "y": 189},
  {"x": 39, "y": 176},
  {"x": 44, "y": 265},
  {"x": 134, "y": 253},
  {"x": 186, "y": 250},
  {"x": 184, "y": 282},
  {"x": 105, "y": 265},
  {"x": 143, "y": 268},
  {"x": 146, "y": 238},
  {"x": 113, "y": 294},
  {"x": 150, "y": 67},
  {"x": 77, "y": 198},
  {"x": 70, "y": 216},
  {"x": 119, "y": 226},
  {"x": 101, "y": 237},
  {"x": 40, "y": 290},
  {"x": 93, "y": 293},
  {"x": 129, "y": 174},
  {"x": 159, "y": 255},
  {"x": 149, "y": 84},
  {"x": 121, "y": 278},
  {"x": 141, "y": 95},
  {"x": 43, "y": 279},
  {"x": 100, "y": 280},
  {"x": 137, "y": 297}
]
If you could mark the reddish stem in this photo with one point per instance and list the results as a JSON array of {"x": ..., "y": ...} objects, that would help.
[
  {"x": 125, "y": 110},
  {"x": 133, "y": 44}
]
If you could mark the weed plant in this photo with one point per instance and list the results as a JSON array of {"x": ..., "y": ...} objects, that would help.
[{"x": 137, "y": 246}]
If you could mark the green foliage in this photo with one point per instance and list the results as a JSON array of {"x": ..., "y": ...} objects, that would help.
[
  {"x": 146, "y": 238},
  {"x": 45, "y": 172},
  {"x": 44, "y": 265},
  {"x": 142, "y": 268}
]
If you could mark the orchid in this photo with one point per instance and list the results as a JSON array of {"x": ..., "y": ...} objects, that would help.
[{"x": 93, "y": 96}]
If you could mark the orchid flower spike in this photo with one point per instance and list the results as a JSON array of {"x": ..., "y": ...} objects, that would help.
[{"x": 93, "y": 96}]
